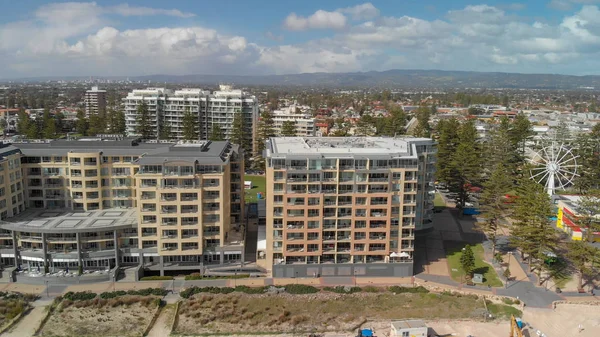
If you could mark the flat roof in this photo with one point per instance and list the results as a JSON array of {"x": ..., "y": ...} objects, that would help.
[
  {"x": 69, "y": 221},
  {"x": 345, "y": 146},
  {"x": 205, "y": 152},
  {"x": 408, "y": 324}
]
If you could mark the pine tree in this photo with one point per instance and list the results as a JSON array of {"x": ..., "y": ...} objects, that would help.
[
  {"x": 237, "y": 131},
  {"x": 96, "y": 125},
  {"x": 465, "y": 164},
  {"x": 395, "y": 123},
  {"x": 492, "y": 202},
  {"x": 264, "y": 131},
  {"x": 588, "y": 210},
  {"x": 49, "y": 126},
  {"x": 144, "y": 121},
  {"x": 467, "y": 261},
  {"x": 116, "y": 120},
  {"x": 447, "y": 144},
  {"x": 23, "y": 122},
  {"x": 165, "y": 132},
  {"x": 81, "y": 126},
  {"x": 288, "y": 129},
  {"x": 531, "y": 232},
  {"x": 33, "y": 130},
  {"x": 423, "y": 129},
  {"x": 216, "y": 133},
  {"x": 588, "y": 150},
  {"x": 189, "y": 126},
  {"x": 582, "y": 255}
]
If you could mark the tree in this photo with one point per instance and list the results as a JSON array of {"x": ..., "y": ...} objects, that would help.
[
  {"x": 395, "y": 123},
  {"x": 144, "y": 121},
  {"x": 81, "y": 126},
  {"x": 3, "y": 123},
  {"x": 96, "y": 125},
  {"x": 49, "y": 126},
  {"x": 588, "y": 210},
  {"x": 588, "y": 150},
  {"x": 447, "y": 143},
  {"x": 23, "y": 123},
  {"x": 422, "y": 129},
  {"x": 116, "y": 120},
  {"x": 288, "y": 129},
  {"x": 465, "y": 164},
  {"x": 365, "y": 126},
  {"x": 506, "y": 273},
  {"x": 216, "y": 133},
  {"x": 33, "y": 130},
  {"x": 165, "y": 132},
  {"x": 531, "y": 232},
  {"x": 189, "y": 126},
  {"x": 467, "y": 261},
  {"x": 492, "y": 202},
  {"x": 237, "y": 130},
  {"x": 264, "y": 131},
  {"x": 582, "y": 255}
]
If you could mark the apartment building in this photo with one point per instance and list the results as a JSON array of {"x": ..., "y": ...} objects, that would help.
[
  {"x": 95, "y": 101},
  {"x": 100, "y": 203},
  {"x": 167, "y": 108},
  {"x": 303, "y": 121},
  {"x": 347, "y": 206}
]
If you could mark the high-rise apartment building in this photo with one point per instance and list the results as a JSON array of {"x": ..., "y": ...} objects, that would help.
[
  {"x": 347, "y": 206},
  {"x": 167, "y": 108},
  {"x": 102, "y": 203},
  {"x": 95, "y": 101}
]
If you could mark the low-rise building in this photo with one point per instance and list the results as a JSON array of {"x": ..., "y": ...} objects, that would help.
[
  {"x": 568, "y": 218},
  {"x": 409, "y": 328}
]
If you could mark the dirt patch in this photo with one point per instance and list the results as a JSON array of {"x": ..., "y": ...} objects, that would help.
[
  {"x": 267, "y": 313},
  {"x": 123, "y": 316}
]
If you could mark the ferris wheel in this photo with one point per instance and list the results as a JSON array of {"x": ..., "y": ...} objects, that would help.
[{"x": 554, "y": 165}]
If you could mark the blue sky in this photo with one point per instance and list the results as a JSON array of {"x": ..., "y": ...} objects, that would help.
[{"x": 40, "y": 38}]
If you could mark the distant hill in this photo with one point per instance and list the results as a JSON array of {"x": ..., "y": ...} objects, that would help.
[{"x": 391, "y": 78}]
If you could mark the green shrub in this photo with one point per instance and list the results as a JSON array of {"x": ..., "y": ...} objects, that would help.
[
  {"x": 503, "y": 311},
  {"x": 371, "y": 289},
  {"x": 300, "y": 289},
  {"x": 343, "y": 289},
  {"x": 156, "y": 278},
  {"x": 412, "y": 290},
  {"x": 141, "y": 292},
  {"x": 250, "y": 290},
  {"x": 189, "y": 292},
  {"x": 79, "y": 296}
]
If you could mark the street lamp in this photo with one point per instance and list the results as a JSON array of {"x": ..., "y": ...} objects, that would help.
[
  {"x": 355, "y": 272},
  {"x": 47, "y": 292}
]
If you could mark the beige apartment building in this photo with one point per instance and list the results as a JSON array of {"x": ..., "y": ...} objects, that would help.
[
  {"x": 347, "y": 206},
  {"x": 108, "y": 202}
]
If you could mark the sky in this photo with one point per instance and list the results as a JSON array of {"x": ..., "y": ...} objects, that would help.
[{"x": 250, "y": 37}]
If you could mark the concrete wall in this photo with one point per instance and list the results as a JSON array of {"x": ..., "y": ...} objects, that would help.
[{"x": 359, "y": 270}]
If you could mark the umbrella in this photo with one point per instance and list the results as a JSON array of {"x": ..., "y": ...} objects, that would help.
[{"x": 404, "y": 254}]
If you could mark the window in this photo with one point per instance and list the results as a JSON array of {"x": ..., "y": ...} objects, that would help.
[
  {"x": 405, "y": 334},
  {"x": 105, "y": 159},
  {"x": 116, "y": 159}
]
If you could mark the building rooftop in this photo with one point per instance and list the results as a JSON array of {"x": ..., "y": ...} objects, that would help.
[
  {"x": 408, "y": 324},
  {"x": 67, "y": 220},
  {"x": 340, "y": 146},
  {"x": 205, "y": 152}
]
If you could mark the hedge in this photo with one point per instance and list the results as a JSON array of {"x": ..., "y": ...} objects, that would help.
[
  {"x": 400, "y": 290},
  {"x": 343, "y": 289},
  {"x": 300, "y": 289},
  {"x": 86, "y": 295}
]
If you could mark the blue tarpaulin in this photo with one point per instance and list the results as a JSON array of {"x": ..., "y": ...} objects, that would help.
[
  {"x": 366, "y": 332},
  {"x": 470, "y": 211}
]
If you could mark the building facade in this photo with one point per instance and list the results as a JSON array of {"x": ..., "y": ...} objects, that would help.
[
  {"x": 347, "y": 206},
  {"x": 95, "y": 102},
  {"x": 303, "y": 122},
  {"x": 569, "y": 219},
  {"x": 210, "y": 110},
  {"x": 100, "y": 203}
]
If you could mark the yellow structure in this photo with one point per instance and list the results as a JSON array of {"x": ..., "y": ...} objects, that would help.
[{"x": 567, "y": 218}]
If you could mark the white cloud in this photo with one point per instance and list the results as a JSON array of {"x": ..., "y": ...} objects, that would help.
[
  {"x": 126, "y": 10},
  {"x": 364, "y": 11},
  {"x": 319, "y": 20}
]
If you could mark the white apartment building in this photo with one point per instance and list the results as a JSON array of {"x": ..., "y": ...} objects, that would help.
[
  {"x": 304, "y": 121},
  {"x": 95, "y": 101},
  {"x": 168, "y": 107}
]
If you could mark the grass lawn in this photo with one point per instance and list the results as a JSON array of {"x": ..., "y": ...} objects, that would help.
[
  {"x": 258, "y": 185},
  {"x": 489, "y": 274},
  {"x": 439, "y": 201}
]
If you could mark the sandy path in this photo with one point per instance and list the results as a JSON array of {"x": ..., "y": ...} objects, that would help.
[
  {"x": 27, "y": 325},
  {"x": 162, "y": 326}
]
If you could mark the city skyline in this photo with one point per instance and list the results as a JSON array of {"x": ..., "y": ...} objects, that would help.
[{"x": 114, "y": 38}]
